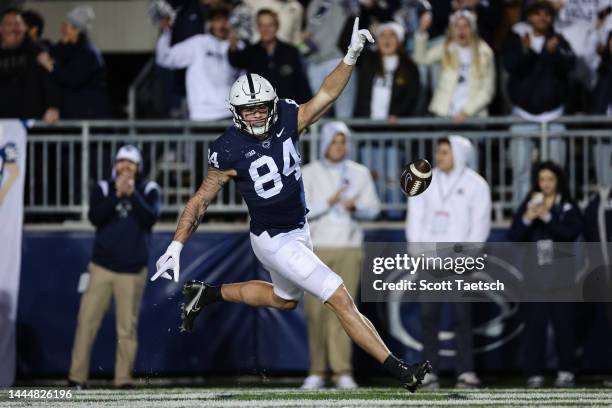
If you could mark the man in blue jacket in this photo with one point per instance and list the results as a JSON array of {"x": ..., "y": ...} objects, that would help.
[
  {"x": 123, "y": 210},
  {"x": 538, "y": 61}
]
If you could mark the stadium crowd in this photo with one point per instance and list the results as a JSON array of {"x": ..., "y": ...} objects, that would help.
[
  {"x": 456, "y": 59},
  {"x": 537, "y": 59}
]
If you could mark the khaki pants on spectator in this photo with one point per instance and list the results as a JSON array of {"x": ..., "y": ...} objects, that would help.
[
  {"x": 104, "y": 284},
  {"x": 328, "y": 342}
]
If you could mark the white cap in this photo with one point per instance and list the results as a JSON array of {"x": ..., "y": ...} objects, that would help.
[
  {"x": 397, "y": 28},
  {"x": 470, "y": 16},
  {"x": 129, "y": 152}
]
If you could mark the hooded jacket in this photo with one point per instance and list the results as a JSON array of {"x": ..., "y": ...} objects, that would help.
[
  {"x": 457, "y": 205},
  {"x": 334, "y": 226}
]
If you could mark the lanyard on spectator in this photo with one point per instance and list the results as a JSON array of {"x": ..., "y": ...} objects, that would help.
[
  {"x": 443, "y": 196},
  {"x": 343, "y": 179}
]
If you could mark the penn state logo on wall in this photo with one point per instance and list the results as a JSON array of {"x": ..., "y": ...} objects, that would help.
[{"x": 495, "y": 323}]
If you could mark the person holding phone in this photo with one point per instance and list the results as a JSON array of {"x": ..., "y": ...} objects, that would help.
[{"x": 548, "y": 214}]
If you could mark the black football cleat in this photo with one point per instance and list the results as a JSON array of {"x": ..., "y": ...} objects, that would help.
[
  {"x": 195, "y": 300},
  {"x": 413, "y": 375}
]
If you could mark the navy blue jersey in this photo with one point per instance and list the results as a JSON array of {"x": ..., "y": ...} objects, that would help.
[
  {"x": 8, "y": 154},
  {"x": 269, "y": 175}
]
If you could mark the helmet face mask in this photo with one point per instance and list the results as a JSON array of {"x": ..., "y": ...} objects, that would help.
[
  {"x": 249, "y": 95},
  {"x": 255, "y": 119}
]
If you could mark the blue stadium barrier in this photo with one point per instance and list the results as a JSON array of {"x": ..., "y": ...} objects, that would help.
[{"x": 228, "y": 338}]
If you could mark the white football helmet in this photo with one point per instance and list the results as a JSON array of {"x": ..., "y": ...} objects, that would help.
[{"x": 250, "y": 90}]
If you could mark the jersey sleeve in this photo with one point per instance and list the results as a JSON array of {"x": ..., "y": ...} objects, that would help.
[
  {"x": 219, "y": 154},
  {"x": 288, "y": 111},
  {"x": 10, "y": 153}
]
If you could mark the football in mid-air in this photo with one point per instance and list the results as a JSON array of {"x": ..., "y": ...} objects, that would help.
[{"x": 415, "y": 177}]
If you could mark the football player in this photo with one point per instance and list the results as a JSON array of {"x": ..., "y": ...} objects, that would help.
[{"x": 260, "y": 153}]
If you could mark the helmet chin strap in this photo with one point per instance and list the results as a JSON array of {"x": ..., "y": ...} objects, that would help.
[{"x": 259, "y": 132}]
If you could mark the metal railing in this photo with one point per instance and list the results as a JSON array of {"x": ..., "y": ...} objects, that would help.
[
  {"x": 65, "y": 160},
  {"x": 136, "y": 84}
]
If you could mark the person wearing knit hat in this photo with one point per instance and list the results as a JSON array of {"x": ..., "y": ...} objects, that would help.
[
  {"x": 397, "y": 29},
  {"x": 81, "y": 17},
  {"x": 79, "y": 69},
  {"x": 338, "y": 192},
  {"x": 388, "y": 85},
  {"x": 388, "y": 88},
  {"x": 123, "y": 209},
  {"x": 467, "y": 77}
]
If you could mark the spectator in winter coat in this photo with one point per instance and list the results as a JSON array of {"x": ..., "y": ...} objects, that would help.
[
  {"x": 467, "y": 81},
  {"x": 548, "y": 214},
  {"x": 77, "y": 66},
  {"x": 388, "y": 86},
  {"x": 538, "y": 61},
  {"x": 387, "y": 89},
  {"x": 123, "y": 210},
  {"x": 28, "y": 91},
  {"x": 273, "y": 59}
]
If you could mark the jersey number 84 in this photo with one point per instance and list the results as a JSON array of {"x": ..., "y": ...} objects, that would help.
[{"x": 264, "y": 171}]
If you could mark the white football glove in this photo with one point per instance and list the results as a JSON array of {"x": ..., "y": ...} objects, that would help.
[
  {"x": 169, "y": 262},
  {"x": 161, "y": 9},
  {"x": 358, "y": 39}
]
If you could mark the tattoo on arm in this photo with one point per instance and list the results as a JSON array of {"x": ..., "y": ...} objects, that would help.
[{"x": 194, "y": 211}]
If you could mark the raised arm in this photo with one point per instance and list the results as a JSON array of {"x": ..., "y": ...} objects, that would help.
[
  {"x": 179, "y": 55},
  {"x": 335, "y": 82},
  {"x": 190, "y": 219}
]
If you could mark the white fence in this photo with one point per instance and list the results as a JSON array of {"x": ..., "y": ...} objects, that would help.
[{"x": 65, "y": 160}]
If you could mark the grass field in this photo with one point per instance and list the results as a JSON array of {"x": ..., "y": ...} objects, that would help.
[{"x": 288, "y": 397}]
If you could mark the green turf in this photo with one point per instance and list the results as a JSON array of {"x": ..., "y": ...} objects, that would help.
[{"x": 290, "y": 397}]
